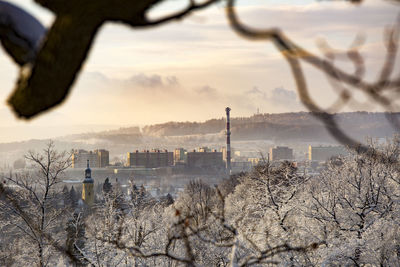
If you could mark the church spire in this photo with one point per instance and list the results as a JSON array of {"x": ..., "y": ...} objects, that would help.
[
  {"x": 88, "y": 172},
  {"x": 87, "y": 187}
]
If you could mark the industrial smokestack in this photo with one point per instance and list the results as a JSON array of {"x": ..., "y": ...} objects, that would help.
[{"x": 228, "y": 141}]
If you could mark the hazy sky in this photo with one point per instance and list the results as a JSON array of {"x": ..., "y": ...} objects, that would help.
[{"x": 192, "y": 70}]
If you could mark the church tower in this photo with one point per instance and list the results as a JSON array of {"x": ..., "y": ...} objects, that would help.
[{"x": 87, "y": 187}]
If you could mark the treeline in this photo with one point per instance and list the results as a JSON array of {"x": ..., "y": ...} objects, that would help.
[
  {"x": 301, "y": 126},
  {"x": 297, "y": 127}
]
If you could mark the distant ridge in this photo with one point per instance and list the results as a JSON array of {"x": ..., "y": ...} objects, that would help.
[
  {"x": 298, "y": 126},
  {"x": 283, "y": 127}
]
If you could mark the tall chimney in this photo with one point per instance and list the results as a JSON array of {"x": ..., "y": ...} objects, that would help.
[{"x": 228, "y": 141}]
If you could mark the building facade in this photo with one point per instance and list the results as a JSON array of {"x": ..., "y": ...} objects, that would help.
[
  {"x": 210, "y": 160},
  {"x": 150, "y": 159},
  {"x": 98, "y": 158},
  {"x": 180, "y": 155},
  {"x": 324, "y": 153},
  {"x": 224, "y": 152},
  {"x": 280, "y": 153},
  {"x": 103, "y": 157}
]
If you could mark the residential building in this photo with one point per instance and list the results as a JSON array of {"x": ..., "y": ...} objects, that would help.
[
  {"x": 150, "y": 159},
  {"x": 180, "y": 155},
  {"x": 98, "y": 158},
  {"x": 324, "y": 153},
  {"x": 103, "y": 157},
  {"x": 280, "y": 153},
  {"x": 210, "y": 160}
]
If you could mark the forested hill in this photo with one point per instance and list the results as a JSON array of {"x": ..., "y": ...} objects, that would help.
[{"x": 284, "y": 126}]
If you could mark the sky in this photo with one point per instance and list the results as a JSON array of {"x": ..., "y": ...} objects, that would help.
[{"x": 192, "y": 69}]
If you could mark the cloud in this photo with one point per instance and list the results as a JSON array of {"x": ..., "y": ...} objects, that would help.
[
  {"x": 168, "y": 91},
  {"x": 323, "y": 16},
  {"x": 278, "y": 99},
  {"x": 255, "y": 91},
  {"x": 136, "y": 82},
  {"x": 208, "y": 64},
  {"x": 145, "y": 81},
  {"x": 282, "y": 96},
  {"x": 152, "y": 81},
  {"x": 96, "y": 76},
  {"x": 206, "y": 90}
]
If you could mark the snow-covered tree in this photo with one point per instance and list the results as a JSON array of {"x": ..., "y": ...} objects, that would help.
[
  {"x": 354, "y": 205},
  {"x": 30, "y": 207}
]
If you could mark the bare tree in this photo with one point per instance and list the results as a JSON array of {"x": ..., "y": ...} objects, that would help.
[
  {"x": 265, "y": 208},
  {"x": 31, "y": 203},
  {"x": 354, "y": 205}
]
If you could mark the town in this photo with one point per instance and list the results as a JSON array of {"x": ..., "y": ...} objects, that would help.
[{"x": 168, "y": 172}]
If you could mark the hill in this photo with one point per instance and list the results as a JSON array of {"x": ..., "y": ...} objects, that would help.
[
  {"x": 300, "y": 126},
  {"x": 291, "y": 128}
]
